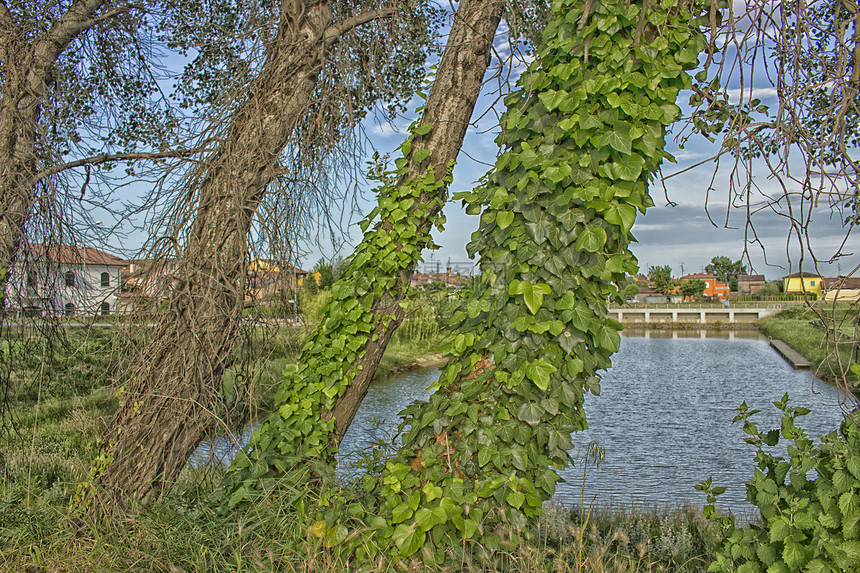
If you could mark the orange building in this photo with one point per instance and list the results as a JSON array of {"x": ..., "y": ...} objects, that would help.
[{"x": 714, "y": 289}]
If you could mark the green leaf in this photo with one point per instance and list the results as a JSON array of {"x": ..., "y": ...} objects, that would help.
[
  {"x": 401, "y": 513},
  {"x": 622, "y": 215},
  {"x": 793, "y": 555},
  {"x": 592, "y": 240},
  {"x": 618, "y": 138},
  {"x": 504, "y": 219},
  {"x": 408, "y": 539},
  {"x": 516, "y": 498},
  {"x": 426, "y": 518},
  {"x": 540, "y": 372},
  {"x": 530, "y": 413}
]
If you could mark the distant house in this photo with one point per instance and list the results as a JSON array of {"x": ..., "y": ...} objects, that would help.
[
  {"x": 145, "y": 284},
  {"x": 64, "y": 280},
  {"x": 714, "y": 289},
  {"x": 267, "y": 277},
  {"x": 803, "y": 282},
  {"x": 750, "y": 284},
  {"x": 842, "y": 288},
  {"x": 448, "y": 277}
]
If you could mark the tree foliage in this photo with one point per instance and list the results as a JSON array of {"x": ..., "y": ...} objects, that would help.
[
  {"x": 661, "y": 277},
  {"x": 726, "y": 271},
  {"x": 693, "y": 288}
]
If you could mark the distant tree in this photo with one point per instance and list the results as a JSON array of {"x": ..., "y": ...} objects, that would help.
[
  {"x": 309, "y": 285},
  {"x": 693, "y": 288},
  {"x": 770, "y": 289},
  {"x": 726, "y": 271},
  {"x": 662, "y": 279},
  {"x": 338, "y": 269},
  {"x": 629, "y": 288},
  {"x": 326, "y": 271}
]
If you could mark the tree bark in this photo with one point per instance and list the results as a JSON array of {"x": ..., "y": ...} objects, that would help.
[
  {"x": 449, "y": 108},
  {"x": 174, "y": 396},
  {"x": 27, "y": 70}
]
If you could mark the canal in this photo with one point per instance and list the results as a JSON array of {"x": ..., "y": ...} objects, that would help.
[{"x": 663, "y": 419}]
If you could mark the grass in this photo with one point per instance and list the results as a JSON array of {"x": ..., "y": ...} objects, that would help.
[
  {"x": 804, "y": 331},
  {"x": 184, "y": 533}
]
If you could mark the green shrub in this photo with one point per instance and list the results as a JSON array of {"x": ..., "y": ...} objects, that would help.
[{"x": 810, "y": 520}]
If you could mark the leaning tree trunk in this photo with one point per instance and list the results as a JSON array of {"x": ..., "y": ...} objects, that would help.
[
  {"x": 449, "y": 111},
  {"x": 173, "y": 399},
  {"x": 340, "y": 357}
]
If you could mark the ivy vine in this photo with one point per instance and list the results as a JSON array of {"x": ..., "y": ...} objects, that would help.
[
  {"x": 582, "y": 140},
  {"x": 298, "y": 431}
]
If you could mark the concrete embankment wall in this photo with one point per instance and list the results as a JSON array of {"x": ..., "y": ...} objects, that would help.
[{"x": 740, "y": 317}]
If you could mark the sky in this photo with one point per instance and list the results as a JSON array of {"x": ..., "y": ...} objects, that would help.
[{"x": 694, "y": 218}]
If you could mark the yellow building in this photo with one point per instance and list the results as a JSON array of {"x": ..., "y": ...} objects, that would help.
[{"x": 800, "y": 283}]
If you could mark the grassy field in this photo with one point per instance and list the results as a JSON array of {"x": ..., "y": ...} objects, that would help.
[{"x": 807, "y": 332}]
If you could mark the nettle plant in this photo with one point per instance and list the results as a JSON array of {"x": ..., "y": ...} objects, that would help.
[{"x": 809, "y": 503}]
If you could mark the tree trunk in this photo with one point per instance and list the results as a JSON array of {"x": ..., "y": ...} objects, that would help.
[
  {"x": 341, "y": 355},
  {"x": 449, "y": 108},
  {"x": 27, "y": 70},
  {"x": 174, "y": 395}
]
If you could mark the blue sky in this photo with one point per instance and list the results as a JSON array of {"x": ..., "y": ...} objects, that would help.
[{"x": 693, "y": 220}]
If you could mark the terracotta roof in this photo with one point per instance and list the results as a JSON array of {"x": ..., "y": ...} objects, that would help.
[
  {"x": 842, "y": 283},
  {"x": 699, "y": 276},
  {"x": 74, "y": 255},
  {"x": 803, "y": 274},
  {"x": 751, "y": 277}
]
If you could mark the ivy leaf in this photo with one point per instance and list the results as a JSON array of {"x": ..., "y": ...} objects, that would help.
[
  {"x": 592, "y": 240},
  {"x": 426, "y": 518},
  {"x": 622, "y": 215},
  {"x": 618, "y": 138},
  {"x": 516, "y": 499},
  {"x": 504, "y": 219},
  {"x": 627, "y": 170},
  {"x": 551, "y": 99},
  {"x": 539, "y": 372},
  {"x": 530, "y": 413},
  {"x": 557, "y": 173},
  {"x": 408, "y": 539},
  {"x": 532, "y": 293}
]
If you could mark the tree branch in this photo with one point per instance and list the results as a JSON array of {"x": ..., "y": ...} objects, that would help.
[
  {"x": 108, "y": 157},
  {"x": 336, "y": 31}
]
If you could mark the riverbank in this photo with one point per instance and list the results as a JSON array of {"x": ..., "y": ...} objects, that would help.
[
  {"x": 184, "y": 533},
  {"x": 804, "y": 332}
]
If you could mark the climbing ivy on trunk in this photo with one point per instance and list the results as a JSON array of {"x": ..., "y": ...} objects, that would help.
[{"x": 582, "y": 140}]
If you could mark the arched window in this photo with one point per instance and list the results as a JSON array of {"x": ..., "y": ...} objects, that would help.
[
  {"x": 69, "y": 309},
  {"x": 105, "y": 279},
  {"x": 70, "y": 278},
  {"x": 105, "y": 309}
]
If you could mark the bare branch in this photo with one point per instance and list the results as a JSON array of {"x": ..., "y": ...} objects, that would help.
[
  {"x": 334, "y": 32},
  {"x": 111, "y": 157}
]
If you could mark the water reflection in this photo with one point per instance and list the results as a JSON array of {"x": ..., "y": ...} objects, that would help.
[{"x": 663, "y": 418}]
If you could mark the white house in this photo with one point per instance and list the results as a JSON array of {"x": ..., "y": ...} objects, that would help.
[{"x": 64, "y": 280}]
